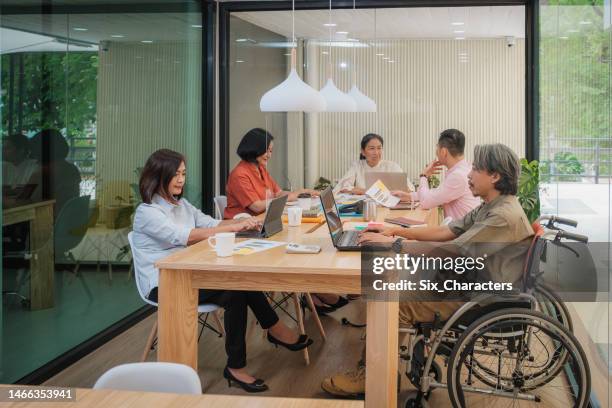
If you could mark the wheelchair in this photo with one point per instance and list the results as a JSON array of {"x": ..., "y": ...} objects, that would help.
[{"x": 514, "y": 350}]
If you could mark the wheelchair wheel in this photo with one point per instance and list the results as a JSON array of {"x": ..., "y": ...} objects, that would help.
[
  {"x": 519, "y": 343},
  {"x": 551, "y": 305}
]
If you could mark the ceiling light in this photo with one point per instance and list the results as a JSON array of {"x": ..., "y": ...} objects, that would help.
[
  {"x": 463, "y": 54},
  {"x": 457, "y": 23},
  {"x": 380, "y": 54},
  {"x": 146, "y": 41},
  {"x": 329, "y": 24},
  {"x": 573, "y": 30},
  {"x": 79, "y": 29},
  {"x": 335, "y": 99},
  {"x": 352, "y": 39},
  {"x": 239, "y": 61},
  {"x": 196, "y": 25},
  {"x": 386, "y": 58},
  {"x": 287, "y": 55},
  {"x": 585, "y": 22},
  {"x": 459, "y": 38},
  {"x": 242, "y": 39},
  {"x": 364, "y": 104},
  {"x": 293, "y": 94},
  {"x": 117, "y": 36},
  {"x": 342, "y": 32},
  {"x": 459, "y": 31},
  {"x": 343, "y": 65},
  {"x": 564, "y": 37},
  {"x": 325, "y": 53}
]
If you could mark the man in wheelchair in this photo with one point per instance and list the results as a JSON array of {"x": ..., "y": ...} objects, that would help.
[{"x": 499, "y": 219}]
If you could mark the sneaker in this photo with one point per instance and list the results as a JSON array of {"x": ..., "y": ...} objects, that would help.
[{"x": 348, "y": 385}]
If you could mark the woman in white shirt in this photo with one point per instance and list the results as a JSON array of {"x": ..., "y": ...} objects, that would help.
[
  {"x": 370, "y": 160},
  {"x": 164, "y": 223}
]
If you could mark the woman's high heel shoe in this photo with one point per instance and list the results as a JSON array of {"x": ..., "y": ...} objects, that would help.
[
  {"x": 255, "y": 386},
  {"x": 302, "y": 342},
  {"x": 321, "y": 310}
]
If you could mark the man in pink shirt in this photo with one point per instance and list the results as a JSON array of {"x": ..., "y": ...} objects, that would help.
[{"x": 453, "y": 194}]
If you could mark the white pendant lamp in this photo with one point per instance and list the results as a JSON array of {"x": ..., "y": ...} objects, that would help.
[
  {"x": 337, "y": 101},
  {"x": 364, "y": 104},
  {"x": 293, "y": 94}
]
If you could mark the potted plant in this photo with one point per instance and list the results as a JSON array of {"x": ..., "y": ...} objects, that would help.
[{"x": 529, "y": 189}]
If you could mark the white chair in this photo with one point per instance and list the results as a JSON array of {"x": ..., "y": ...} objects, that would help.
[
  {"x": 203, "y": 310},
  {"x": 220, "y": 204},
  {"x": 152, "y": 377}
]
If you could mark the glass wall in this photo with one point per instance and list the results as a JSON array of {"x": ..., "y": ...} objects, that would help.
[
  {"x": 85, "y": 99},
  {"x": 428, "y": 69},
  {"x": 576, "y": 151}
]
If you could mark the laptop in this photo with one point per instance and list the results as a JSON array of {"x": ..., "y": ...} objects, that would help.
[
  {"x": 273, "y": 222},
  {"x": 393, "y": 180},
  {"x": 343, "y": 240}
]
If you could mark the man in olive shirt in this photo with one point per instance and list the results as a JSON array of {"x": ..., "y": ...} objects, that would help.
[{"x": 499, "y": 219}]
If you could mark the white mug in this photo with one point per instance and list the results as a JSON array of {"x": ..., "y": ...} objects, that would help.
[
  {"x": 294, "y": 216},
  {"x": 224, "y": 243},
  {"x": 305, "y": 203}
]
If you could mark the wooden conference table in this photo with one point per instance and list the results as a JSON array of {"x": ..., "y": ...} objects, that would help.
[{"x": 330, "y": 271}]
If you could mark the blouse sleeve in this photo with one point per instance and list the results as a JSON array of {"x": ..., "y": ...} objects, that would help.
[
  {"x": 153, "y": 222},
  {"x": 201, "y": 220},
  {"x": 348, "y": 180}
]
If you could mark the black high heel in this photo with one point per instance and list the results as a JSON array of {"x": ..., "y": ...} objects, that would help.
[
  {"x": 321, "y": 310},
  {"x": 256, "y": 386},
  {"x": 302, "y": 342}
]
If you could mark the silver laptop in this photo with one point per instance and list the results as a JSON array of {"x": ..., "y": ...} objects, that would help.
[{"x": 393, "y": 180}]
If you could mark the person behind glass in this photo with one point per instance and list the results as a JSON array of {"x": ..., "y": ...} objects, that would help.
[
  {"x": 166, "y": 222},
  {"x": 249, "y": 184},
  {"x": 370, "y": 160}
]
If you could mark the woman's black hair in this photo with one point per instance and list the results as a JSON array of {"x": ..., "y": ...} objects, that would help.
[
  {"x": 159, "y": 170},
  {"x": 366, "y": 139},
  {"x": 254, "y": 144}
]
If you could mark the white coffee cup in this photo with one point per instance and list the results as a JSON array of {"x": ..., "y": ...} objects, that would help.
[
  {"x": 294, "y": 216},
  {"x": 224, "y": 243},
  {"x": 305, "y": 203}
]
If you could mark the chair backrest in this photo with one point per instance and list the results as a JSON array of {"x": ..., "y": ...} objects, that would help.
[
  {"x": 153, "y": 377},
  {"x": 71, "y": 224},
  {"x": 220, "y": 204},
  {"x": 137, "y": 261}
]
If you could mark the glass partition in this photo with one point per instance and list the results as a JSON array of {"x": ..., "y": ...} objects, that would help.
[{"x": 86, "y": 98}]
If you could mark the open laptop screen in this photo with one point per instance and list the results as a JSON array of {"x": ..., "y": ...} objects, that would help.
[{"x": 331, "y": 214}]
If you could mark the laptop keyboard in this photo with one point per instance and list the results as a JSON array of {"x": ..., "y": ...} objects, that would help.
[{"x": 349, "y": 238}]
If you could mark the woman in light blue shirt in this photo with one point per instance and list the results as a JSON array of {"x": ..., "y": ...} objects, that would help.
[{"x": 165, "y": 222}]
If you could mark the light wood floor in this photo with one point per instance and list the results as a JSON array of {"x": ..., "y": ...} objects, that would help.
[{"x": 285, "y": 372}]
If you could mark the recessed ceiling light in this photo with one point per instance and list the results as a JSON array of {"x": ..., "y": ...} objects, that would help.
[
  {"x": 380, "y": 54},
  {"x": 457, "y": 23},
  {"x": 239, "y": 61},
  {"x": 242, "y": 39},
  {"x": 564, "y": 37},
  {"x": 324, "y": 52},
  {"x": 459, "y": 31},
  {"x": 329, "y": 24},
  {"x": 342, "y": 32},
  {"x": 391, "y": 61},
  {"x": 352, "y": 39},
  {"x": 463, "y": 54},
  {"x": 386, "y": 58},
  {"x": 80, "y": 29},
  {"x": 459, "y": 38},
  {"x": 196, "y": 25},
  {"x": 117, "y": 36},
  {"x": 146, "y": 41},
  {"x": 585, "y": 22},
  {"x": 343, "y": 65}
]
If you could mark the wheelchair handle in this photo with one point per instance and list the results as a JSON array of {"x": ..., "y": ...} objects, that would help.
[
  {"x": 572, "y": 236},
  {"x": 552, "y": 219}
]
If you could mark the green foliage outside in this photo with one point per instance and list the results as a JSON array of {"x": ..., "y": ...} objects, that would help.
[
  {"x": 566, "y": 165},
  {"x": 529, "y": 189},
  {"x": 59, "y": 91}
]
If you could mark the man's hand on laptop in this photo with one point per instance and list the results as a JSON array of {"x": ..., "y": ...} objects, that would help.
[
  {"x": 248, "y": 224},
  {"x": 387, "y": 231},
  {"x": 373, "y": 237}
]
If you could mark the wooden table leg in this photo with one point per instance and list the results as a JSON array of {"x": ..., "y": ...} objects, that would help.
[
  {"x": 42, "y": 264},
  {"x": 177, "y": 318},
  {"x": 382, "y": 354}
]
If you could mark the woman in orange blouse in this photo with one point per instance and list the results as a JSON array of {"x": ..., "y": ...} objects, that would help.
[{"x": 250, "y": 184}]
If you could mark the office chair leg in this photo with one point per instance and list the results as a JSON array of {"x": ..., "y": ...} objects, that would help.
[
  {"x": 300, "y": 319},
  {"x": 150, "y": 341},
  {"x": 218, "y": 322},
  {"x": 315, "y": 315}
]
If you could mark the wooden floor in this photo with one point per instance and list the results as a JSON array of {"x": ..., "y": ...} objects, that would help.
[{"x": 285, "y": 372}]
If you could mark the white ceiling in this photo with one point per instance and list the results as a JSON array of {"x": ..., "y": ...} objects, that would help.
[{"x": 396, "y": 23}]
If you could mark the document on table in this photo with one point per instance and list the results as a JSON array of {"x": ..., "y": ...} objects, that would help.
[
  {"x": 381, "y": 194},
  {"x": 252, "y": 246}
]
